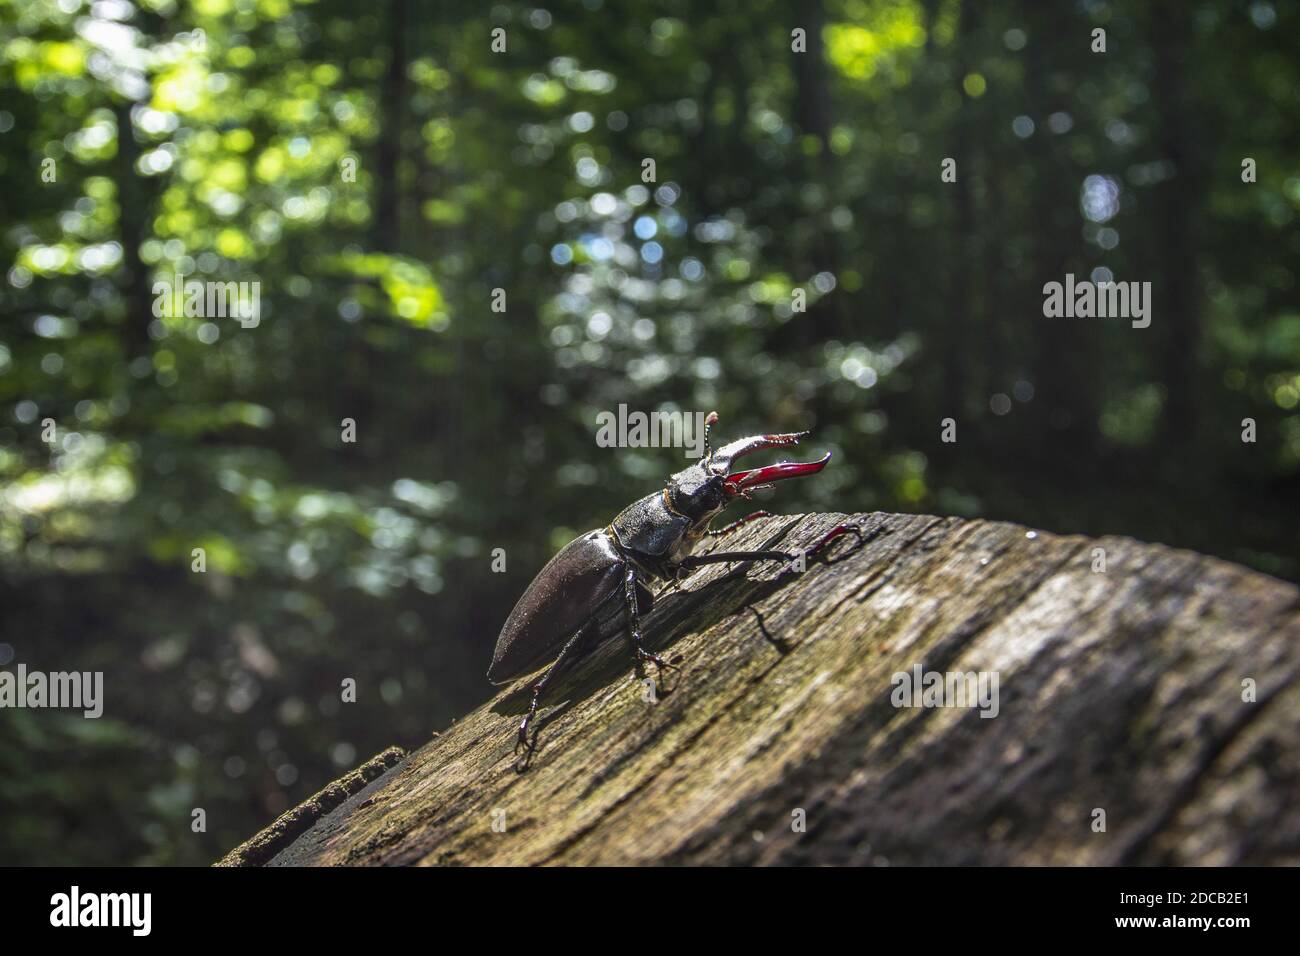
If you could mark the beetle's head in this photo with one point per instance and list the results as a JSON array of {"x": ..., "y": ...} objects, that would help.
[{"x": 706, "y": 487}]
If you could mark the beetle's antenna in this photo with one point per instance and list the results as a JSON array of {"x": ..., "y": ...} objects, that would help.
[{"x": 708, "y": 423}]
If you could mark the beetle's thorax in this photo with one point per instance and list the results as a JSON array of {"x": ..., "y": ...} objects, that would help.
[
  {"x": 653, "y": 535},
  {"x": 657, "y": 531}
]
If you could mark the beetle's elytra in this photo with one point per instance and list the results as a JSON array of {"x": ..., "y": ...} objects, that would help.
[{"x": 556, "y": 618}]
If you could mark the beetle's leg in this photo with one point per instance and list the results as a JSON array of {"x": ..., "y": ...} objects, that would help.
[
  {"x": 834, "y": 533},
  {"x": 736, "y": 524},
  {"x": 721, "y": 557},
  {"x": 639, "y": 652},
  {"x": 565, "y": 653}
]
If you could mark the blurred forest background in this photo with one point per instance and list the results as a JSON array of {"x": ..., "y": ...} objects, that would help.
[{"x": 222, "y": 155}]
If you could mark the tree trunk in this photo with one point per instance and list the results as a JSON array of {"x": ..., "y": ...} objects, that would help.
[
  {"x": 1125, "y": 731},
  {"x": 135, "y": 201},
  {"x": 388, "y": 215}
]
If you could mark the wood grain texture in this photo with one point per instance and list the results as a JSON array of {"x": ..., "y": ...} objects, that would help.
[{"x": 1120, "y": 691}]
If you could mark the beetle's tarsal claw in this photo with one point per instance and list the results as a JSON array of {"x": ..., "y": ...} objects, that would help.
[
  {"x": 661, "y": 665},
  {"x": 833, "y": 535},
  {"x": 522, "y": 742},
  {"x": 521, "y": 738},
  {"x": 644, "y": 656}
]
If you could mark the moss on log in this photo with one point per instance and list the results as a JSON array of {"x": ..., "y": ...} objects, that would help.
[
  {"x": 1125, "y": 692},
  {"x": 293, "y": 823}
]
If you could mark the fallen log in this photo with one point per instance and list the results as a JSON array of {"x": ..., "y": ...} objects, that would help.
[{"x": 1147, "y": 712}]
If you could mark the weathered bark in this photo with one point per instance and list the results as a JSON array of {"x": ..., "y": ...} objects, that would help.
[{"x": 1119, "y": 691}]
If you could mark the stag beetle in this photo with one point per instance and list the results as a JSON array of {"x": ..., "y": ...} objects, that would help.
[{"x": 652, "y": 537}]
